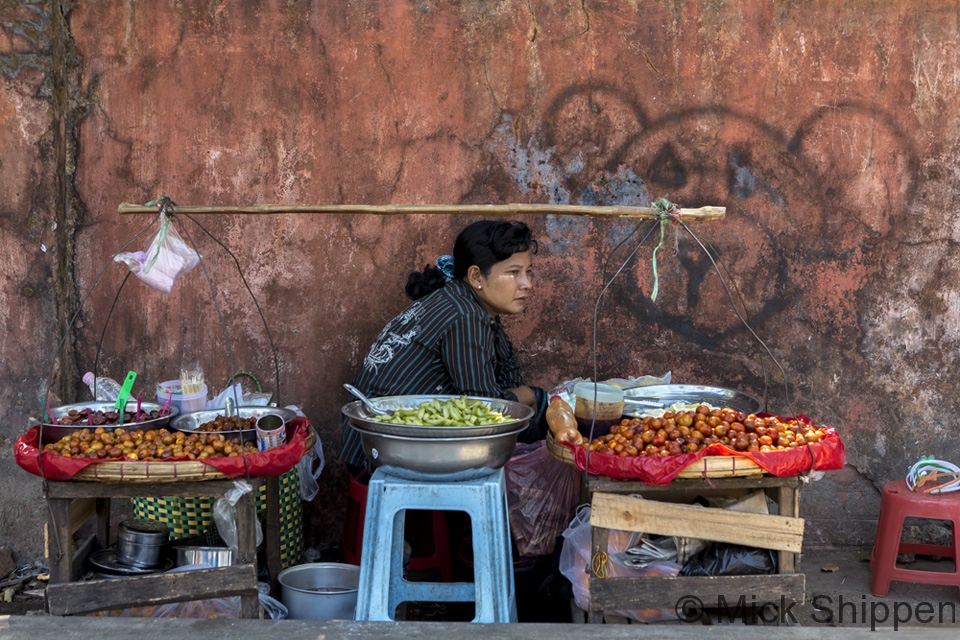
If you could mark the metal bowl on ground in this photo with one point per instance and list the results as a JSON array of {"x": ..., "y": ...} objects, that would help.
[
  {"x": 360, "y": 417},
  {"x": 442, "y": 459},
  {"x": 53, "y": 432},
  {"x": 641, "y": 399},
  {"x": 192, "y": 422}
]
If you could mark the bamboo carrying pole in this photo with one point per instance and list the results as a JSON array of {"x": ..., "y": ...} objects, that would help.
[{"x": 699, "y": 214}]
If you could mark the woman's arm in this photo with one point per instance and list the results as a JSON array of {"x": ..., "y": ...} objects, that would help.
[{"x": 525, "y": 395}]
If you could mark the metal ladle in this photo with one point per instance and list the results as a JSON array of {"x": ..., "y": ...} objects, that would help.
[{"x": 365, "y": 400}]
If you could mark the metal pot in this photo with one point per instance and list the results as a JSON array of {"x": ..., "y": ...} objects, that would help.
[
  {"x": 320, "y": 591},
  {"x": 139, "y": 542},
  {"x": 442, "y": 459}
]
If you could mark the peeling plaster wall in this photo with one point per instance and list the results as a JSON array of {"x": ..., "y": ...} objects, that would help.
[{"x": 828, "y": 130}]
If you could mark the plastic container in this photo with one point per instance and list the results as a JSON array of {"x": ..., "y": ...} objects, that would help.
[
  {"x": 185, "y": 402},
  {"x": 102, "y": 389},
  {"x": 608, "y": 409},
  {"x": 320, "y": 591}
]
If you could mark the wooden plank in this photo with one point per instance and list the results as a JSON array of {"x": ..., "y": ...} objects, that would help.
[
  {"x": 648, "y": 516},
  {"x": 204, "y": 488},
  {"x": 788, "y": 503},
  {"x": 156, "y": 589},
  {"x": 272, "y": 534},
  {"x": 617, "y": 211},
  {"x": 84, "y": 549},
  {"x": 59, "y": 540},
  {"x": 80, "y": 511},
  {"x": 103, "y": 522},
  {"x": 609, "y": 485},
  {"x": 624, "y": 594}
]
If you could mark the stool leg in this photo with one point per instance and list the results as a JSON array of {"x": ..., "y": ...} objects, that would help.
[
  {"x": 373, "y": 592},
  {"x": 397, "y": 591},
  {"x": 886, "y": 546},
  {"x": 493, "y": 562}
]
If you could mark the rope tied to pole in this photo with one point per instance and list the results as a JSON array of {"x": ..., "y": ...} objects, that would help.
[{"x": 666, "y": 211}]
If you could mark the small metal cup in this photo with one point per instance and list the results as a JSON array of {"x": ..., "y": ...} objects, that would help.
[{"x": 271, "y": 432}]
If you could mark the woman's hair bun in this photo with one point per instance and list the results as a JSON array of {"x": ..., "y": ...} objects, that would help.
[{"x": 421, "y": 284}]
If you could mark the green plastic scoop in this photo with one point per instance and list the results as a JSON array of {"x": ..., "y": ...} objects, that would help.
[{"x": 121, "y": 404}]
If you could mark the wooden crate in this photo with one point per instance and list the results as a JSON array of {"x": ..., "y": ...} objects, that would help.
[{"x": 781, "y": 533}]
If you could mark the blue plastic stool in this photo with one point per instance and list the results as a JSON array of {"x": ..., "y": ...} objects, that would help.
[{"x": 382, "y": 585}]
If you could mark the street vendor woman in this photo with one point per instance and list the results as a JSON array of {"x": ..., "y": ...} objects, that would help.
[{"x": 449, "y": 340}]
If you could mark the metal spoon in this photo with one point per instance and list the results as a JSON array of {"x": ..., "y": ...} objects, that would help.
[{"x": 365, "y": 400}]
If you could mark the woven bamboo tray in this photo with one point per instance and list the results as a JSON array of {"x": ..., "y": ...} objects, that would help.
[
  {"x": 149, "y": 471},
  {"x": 161, "y": 471},
  {"x": 705, "y": 467}
]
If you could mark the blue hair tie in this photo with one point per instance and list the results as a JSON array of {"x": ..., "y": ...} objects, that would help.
[{"x": 445, "y": 265}]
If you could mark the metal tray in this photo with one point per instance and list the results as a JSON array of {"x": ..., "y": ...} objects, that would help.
[
  {"x": 360, "y": 417},
  {"x": 53, "y": 432},
  {"x": 191, "y": 422},
  {"x": 641, "y": 399},
  {"x": 105, "y": 562}
]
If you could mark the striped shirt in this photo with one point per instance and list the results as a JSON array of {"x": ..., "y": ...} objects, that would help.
[{"x": 446, "y": 343}]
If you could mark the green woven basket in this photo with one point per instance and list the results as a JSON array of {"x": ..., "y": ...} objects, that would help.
[{"x": 189, "y": 517}]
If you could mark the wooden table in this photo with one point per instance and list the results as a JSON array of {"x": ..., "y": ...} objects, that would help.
[
  {"x": 656, "y": 514},
  {"x": 71, "y": 504}
]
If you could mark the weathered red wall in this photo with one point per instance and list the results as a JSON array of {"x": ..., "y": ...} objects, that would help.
[{"x": 827, "y": 129}]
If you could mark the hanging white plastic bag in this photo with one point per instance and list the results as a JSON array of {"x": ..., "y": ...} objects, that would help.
[
  {"x": 225, "y": 514},
  {"x": 164, "y": 258},
  {"x": 310, "y": 466}
]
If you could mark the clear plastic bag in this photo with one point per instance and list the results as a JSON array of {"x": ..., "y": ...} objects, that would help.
[
  {"x": 310, "y": 466},
  {"x": 542, "y": 495},
  {"x": 165, "y": 257},
  {"x": 273, "y": 609},
  {"x": 225, "y": 514},
  {"x": 575, "y": 562}
]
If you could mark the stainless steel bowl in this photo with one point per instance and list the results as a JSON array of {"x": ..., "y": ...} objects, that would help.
[
  {"x": 208, "y": 556},
  {"x": 661, "y": 396},
  {"x": 53, "y": 432},
  {"x": 442, "y": 459},
  {"x": 191, "y": 422},
  {"x": 360, "y": 417}
]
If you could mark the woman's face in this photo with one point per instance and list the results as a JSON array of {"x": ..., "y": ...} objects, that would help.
[{"x": 506, "y": 287}]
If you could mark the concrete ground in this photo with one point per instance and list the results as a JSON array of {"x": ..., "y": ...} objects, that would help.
[{"x": 838, "y": 604}]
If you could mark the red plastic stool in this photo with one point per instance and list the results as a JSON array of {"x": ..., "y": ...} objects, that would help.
[
  {"x": 899, "y": 502},
  {"x": 352, "y": 542}
]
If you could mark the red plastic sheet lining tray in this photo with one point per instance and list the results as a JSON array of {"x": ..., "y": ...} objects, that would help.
[
  {"x": 273, "y": 462},
  {"x": 825, "y": 455}
]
